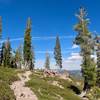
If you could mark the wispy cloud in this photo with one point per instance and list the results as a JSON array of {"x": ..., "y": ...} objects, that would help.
[
  {"x": 50, "y": 52},
  {"x": 16, "y": 39},
  {"x": 43, "y": 52},
  {"x": 40, "y": 38},
  {"x": 12, "y": 40},
  {"x": 51, "y": 37}
]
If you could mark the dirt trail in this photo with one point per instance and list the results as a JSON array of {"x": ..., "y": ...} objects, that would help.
[{"x": 21, "y": 92}]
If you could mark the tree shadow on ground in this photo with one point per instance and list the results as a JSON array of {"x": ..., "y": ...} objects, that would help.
[{"x": 75, "y": 89}]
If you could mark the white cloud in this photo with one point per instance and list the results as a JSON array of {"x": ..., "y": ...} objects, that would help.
[
  {"x": 69, "y": 65},
  {"x": 75, "y": 46},
  {"x": 72, "y": 62},
  {"x": 74, "y": 56}
]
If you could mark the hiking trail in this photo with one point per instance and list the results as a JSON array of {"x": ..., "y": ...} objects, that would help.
[{"x": 21, "y": 92}]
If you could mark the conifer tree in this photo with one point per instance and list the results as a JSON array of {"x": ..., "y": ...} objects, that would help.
[
  {"x": 7, "y": 54},
  {"x": 0, "y": 38},
  {"x": 27, "y": 45},
  {"x": 47, "y": 61},
  {"x": 18, "y": 57},
  {"x": 98, "y": 60},
  {"x": 32, "y": 65},
  {"x": 57, "y": 53},
  {"x": 13, "y": 61},
  {"x": 84, "y": 40},
  {"x": 2, "y": 53}
]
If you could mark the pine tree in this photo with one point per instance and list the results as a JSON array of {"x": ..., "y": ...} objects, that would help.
[
  {"x": 0, "y": 38},
  {"x": 57, "y": 53},
  {"x": 27, "y": 45},
  {"x": 7, "y": 54},
  {"x": 13, "y": 61},
  {"x": 2, "y": 53},
  {"x": 32, "y": 65},
  {"x": 98, "y": 60},
  {"x": 18, "y": 57},
  {"x": 47, "y": 61},
  {"x": 84, "y": 39}
]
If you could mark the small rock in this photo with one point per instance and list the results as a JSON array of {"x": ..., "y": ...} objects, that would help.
[{"x": 22, "y": 95}]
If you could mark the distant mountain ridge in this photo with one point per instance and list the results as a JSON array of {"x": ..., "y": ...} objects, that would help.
[{"x": 75, "y": 73}]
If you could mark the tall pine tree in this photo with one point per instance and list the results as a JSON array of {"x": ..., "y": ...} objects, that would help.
[
  {"x": 0, "y": 38},
  {"x": 32, "y": 65},
  {"x": 47, "y": 61},
  {"x": 27, "y": 51},
  {"x": 18, "y": 57},
  {"x": 84, "y": 40},
  {"x": 57, "y": 53},
  {"x": 98, "y": 60},
  {"x": 7, "y": 54},
  {"x": 2, "y": 53}
]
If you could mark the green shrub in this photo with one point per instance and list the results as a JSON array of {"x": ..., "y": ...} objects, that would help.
[
  {"x": 5, "y": 92},
  {"x": 8, "y": 75},
  {"x": 46, "y": 91},
  {"x": 94, "y": 93}
]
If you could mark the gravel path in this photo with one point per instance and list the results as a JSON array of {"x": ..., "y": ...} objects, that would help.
[{"x": 21, "y": 92}]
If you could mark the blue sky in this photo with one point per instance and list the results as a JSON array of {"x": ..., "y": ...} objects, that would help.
[{"x": 49, "y": 18}]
